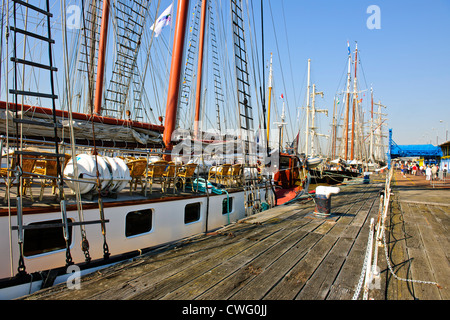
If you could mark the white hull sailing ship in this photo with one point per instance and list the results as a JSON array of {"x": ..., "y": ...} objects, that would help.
[{"x": 95, "y": 188}]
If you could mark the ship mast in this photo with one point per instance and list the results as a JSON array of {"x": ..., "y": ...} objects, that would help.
[
  {"x": 352, "y": 151},
  {"x": 371, "y": 125},
  {"x": 198, "y": 92},
  {"x": 333, "y": 131},
  {"x": 307, "y": 109},
  {"x": 101, "y": 58},
  {"x": 270, "y": 95},
  {"x": 313, "y": 118},
  {"x": 379, "y": 134},
  {"x": 280, "y": 128},
  {"x": 175, "y": 73},
  {"x": 347, "y": 104}
]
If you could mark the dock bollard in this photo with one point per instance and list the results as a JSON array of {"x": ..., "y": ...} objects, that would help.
[
  {"x": 323, "y": 199},
  {"x": 367, "y": 177}
]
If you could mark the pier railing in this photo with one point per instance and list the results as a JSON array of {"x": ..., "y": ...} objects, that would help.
[{"x": 370, "y": 273}]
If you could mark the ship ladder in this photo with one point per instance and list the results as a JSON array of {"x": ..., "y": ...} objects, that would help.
[
  {"x": 19, "y": 121},
  {"x": 21, "y": 154}
]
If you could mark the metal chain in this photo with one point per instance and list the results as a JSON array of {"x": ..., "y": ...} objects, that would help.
[
  {"x": 363, "y": 271},
  {"x": 392, "y": 271},
  {"x": 369, "y": 245},
  {"x": 388, "y": 183},
  {"x": 69, "y": 260},
  {"x": 85, "y": 246}
]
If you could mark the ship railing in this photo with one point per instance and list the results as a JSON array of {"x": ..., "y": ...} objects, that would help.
[{"x": 248, "y": 174}]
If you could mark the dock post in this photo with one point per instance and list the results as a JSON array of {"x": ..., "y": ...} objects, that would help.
[{"x": 323, "y": 200}]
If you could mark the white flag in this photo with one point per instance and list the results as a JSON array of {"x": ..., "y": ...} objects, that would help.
[{"x": 163, "y": 20}]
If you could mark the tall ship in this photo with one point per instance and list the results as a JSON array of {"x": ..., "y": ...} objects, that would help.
[
  {"x": 100, "y": 164},
  {"x": 356, "y": 142}
]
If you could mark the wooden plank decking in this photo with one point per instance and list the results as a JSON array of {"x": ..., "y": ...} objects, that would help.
[
  {"x": 283, "y": 253},
  {"x": 419, "y": 245},
  {"x": 288, "y": 253}
]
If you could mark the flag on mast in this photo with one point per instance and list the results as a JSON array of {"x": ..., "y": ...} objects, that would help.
[
  {"x": 348, "y": 47},
  {"x": 163, "y": 20}
]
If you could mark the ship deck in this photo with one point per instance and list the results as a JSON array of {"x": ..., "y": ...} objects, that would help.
[
  {"x": 289, "y": 253},
  {"x": 31, "y": 201}
]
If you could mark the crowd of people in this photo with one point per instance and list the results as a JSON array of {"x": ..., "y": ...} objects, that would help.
[{"x": 430, "y": 171}]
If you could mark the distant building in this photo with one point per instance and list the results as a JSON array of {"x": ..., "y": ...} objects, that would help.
[
  {"x": 427, "y": 153},
  {"x": 445, "y": 158}
]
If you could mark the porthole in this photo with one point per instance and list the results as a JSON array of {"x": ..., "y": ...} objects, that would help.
[
  {"x": 138, "y": 222},
  {"x": 44, "y": 239},
  {"x": 227, "y": 205},
  {"x": 192, "y": 212}
]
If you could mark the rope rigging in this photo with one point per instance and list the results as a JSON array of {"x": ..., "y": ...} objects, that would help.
[
  {"x": 290, "y": 127},
  {"x": 74, "y": 97},
  {"x": 68, "y": 96}
]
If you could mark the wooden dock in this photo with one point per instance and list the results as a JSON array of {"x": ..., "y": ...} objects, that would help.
[
  {"x": 288, "y": 253},
  {"x": 419, "y": 246}
]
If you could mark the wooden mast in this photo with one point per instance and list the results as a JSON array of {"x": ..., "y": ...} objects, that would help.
[
  {"x": 313, "y": 119},
  {"x": 352, "y": 140},
  {"x": 371, "y": 125},
  {"x": 101, "y": 58},
  {"x": 198, "y": 92},
  {"x": 333, "y": 131},
  {"x": 352, "y": 151},
  {"x": 283, "y": 116},
  {"x": 307, "y": 109},
  {"x": 175, "y": 73},
  {"x": 269, "y": 96},
  {"x": 347, "y": 105}
]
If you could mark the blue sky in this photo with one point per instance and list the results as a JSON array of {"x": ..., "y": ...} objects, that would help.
[{"x": 407, "y": 61}]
